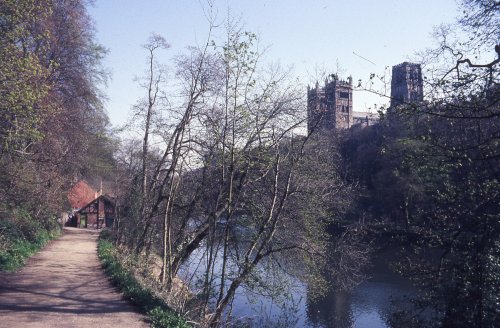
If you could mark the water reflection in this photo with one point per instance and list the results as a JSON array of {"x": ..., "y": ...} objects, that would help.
[
  {"x": 367, "y": 306},
  {"x": 333, "y": 310}
]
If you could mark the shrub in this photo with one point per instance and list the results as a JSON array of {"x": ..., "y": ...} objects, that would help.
[
  {"x": 21, "y": 236},
  {"x": 161, "y": 318}
]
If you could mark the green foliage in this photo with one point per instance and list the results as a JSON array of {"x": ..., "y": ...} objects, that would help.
[
  {"x": 161, "y": 315},
  {"x": 24, "y": 83},
  {"x": 160, "y": 318},
  {"x": 52, "y": 126},
  {"x": 436, "y": 191},
  {"x": 21, "y": 236}
]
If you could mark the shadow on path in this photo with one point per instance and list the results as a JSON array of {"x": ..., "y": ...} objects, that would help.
[{"x": 64, "y": 286}]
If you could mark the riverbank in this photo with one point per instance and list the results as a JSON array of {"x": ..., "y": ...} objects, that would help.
[{"x": 160, "y": 314}]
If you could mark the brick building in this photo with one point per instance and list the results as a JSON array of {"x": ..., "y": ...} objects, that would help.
[
  {"x": 89, "y": 207},
  {"x": 98, "y": 213}
]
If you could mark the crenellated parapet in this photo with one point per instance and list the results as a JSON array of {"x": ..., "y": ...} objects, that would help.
[{"x": 330, "y": 106}]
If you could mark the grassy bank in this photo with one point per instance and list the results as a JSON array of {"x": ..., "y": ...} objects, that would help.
[
  {"x": 21, "y": 236},
  {"x": 160, "y": 314}
]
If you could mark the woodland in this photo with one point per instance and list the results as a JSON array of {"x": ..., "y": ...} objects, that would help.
[{"x": 223, "y": 167}]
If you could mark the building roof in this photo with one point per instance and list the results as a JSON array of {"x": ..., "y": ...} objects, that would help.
[
  {"x": 80, "y": 194},
  {"x": 365, "y": 114}
]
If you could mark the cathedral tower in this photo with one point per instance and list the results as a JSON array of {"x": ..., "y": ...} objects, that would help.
[
  {"x": 330, "y": 107},
  {"x": 406, "y": 84}
]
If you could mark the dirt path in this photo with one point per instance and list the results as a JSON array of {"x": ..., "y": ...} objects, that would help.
[{"x": 64, "y": 286}]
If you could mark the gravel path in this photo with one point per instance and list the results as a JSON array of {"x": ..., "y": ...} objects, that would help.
[{"x": 64, "y": 286}]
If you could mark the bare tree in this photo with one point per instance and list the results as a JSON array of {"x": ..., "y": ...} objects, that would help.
[
  {"x": 155, "y": 77},
  {"x": 230, "y": 159}
]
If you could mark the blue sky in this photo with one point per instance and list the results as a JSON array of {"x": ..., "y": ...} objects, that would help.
[{"x": 360, "y": 37}]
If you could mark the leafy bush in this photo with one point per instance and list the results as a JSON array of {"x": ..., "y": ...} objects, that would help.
[
  {"x": 160, "y": 314},
  {"x": 21, "y": 236}
]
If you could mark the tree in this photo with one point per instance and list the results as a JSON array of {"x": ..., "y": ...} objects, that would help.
[
  {"x": 229, "y": 161},
  {"x": 24, "y": 78},
  {"x": 449, "y": 165},
  {"x": 155, "y": 77},
  {"x": 49, "y": 80}
]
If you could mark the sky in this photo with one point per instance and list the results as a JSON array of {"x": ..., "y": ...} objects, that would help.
[{"x": 354, "y": 38}]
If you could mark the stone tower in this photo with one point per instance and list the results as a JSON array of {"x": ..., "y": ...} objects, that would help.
[
  {"x": 406, "y": 84},
  {"x": 330, "y": 107}
]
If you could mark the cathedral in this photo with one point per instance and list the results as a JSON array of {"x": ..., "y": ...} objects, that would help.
[
  {"x": 406, "y": 84},
  {"x": 331, "y": 106}
]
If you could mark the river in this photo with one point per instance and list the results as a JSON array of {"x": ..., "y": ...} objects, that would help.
[{"x": 366, "y": 306}]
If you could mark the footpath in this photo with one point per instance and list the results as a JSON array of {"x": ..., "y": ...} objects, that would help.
[{"x": 64, "y": 286}]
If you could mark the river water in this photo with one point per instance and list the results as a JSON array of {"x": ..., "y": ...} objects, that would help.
[{"x": 366, "y": 306}]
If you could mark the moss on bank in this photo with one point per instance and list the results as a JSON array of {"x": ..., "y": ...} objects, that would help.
[
  {"x": 21, "y": 236},
  {"x": 160, "y": 314}
]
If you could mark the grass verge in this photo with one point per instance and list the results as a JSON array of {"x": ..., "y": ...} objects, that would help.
[
  {"x": 160, "y": 314},
  {"x": 21, "y": 236}
]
